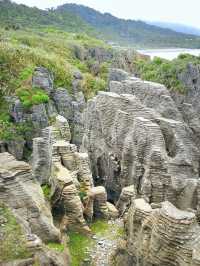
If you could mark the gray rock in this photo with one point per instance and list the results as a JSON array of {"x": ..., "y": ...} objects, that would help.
[
  {"x": 117, "y": 75},
  {"x": 177, "y": 231},
  {"x": 63, "y": 103},
  {"x": 43, "y": 79},
  {"x": 23, "y": 194},
  {"x": 133, "y": 140}
]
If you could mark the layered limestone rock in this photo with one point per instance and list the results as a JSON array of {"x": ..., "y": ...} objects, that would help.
[
  {"x": 165, "y": 236},
  {"x": 139, "y": 138},
  {"x": 24, "y": 196},
  {"x": 57, "y": 162},
  {"x": 188, "y": 102},
  {"x": 65, "y": 193},
  {"x": 125, "y": 198}
]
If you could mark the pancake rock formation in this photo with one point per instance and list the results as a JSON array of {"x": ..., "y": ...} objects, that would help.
[{"x": 143, "y": 150}]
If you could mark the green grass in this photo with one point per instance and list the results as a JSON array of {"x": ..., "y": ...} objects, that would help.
[
  {"x": 99, "y": 227},
  {"x": 56, "y": 246},
  {"x": 12, "y": 242},
  {"x": 46, "y": 191},
  {"x": 78, "y": 245},
  {"x": 22, "y": 51}
]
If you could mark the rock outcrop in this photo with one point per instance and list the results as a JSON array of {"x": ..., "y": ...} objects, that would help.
[
  {"x": 57, "y": 162},
  {"x": 23, "y": 195},
  {"x": 165, "y": 236},
  {"x": 135, "y": 135},
  {"x": 141, "y": 146}
]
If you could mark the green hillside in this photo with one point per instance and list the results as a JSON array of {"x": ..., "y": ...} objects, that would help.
[
  {"x": 20, "y": 16},
  {"x": 81, "y": 19},
  {"x": 131, "y": 32}
]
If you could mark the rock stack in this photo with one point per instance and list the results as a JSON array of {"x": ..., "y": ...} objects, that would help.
[{"x": 165, "y": 236}]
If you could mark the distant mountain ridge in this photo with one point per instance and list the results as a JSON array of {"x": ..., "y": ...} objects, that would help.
[
  {"x": 82, "y": 19},
  {"x": 131, "y": 32},
  {"x": 176, "y": 27}
]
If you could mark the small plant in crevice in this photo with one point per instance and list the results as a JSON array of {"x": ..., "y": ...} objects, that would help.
[
  {"x": 82, "y": 195},
  {"x": 47, "y": 191}
]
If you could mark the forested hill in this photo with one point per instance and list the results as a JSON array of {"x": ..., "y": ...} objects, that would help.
[
  {"x": 131, "y": 32},
  {"x": 20, "y": 16},
  {"x": 82, "y": 19}
]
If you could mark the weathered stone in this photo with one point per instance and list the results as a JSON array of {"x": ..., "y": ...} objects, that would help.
[
  {"x": 112, "y": 210},
  {"x": 118, "y": 74},
  {"x": 63, "y": 126},
  {"x": 16, "y": 148},
  {"x": 63, "y": 103},
  {"x": 124, "y": 202},
  {"x": 43, "y": 79},
  {"x": 166, "y": 236},
  {"x": 67, "y": 194},
  {"x": 132, "y": 140},
  {"x": 42, "y": 153},
  {"x": 100, "y": 202},
  {"x": 23, "y": 194}
]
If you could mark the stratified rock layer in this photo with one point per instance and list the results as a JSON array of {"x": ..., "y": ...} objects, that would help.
[
  {"x": 139, "y": 138},
  {"x": 165, "y": 236},
  {"x": 23, "y": 194},
  {"x": 57, "y": 162}
]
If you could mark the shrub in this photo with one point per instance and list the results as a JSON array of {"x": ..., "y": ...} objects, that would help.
[
  {"x": 91, "y": 85},
  {"x": 10, "y": 131},
  {"x": 32, "y": 96}
]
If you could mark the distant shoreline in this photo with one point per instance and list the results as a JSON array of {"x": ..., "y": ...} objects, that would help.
[{"x": 168, "y": 53}]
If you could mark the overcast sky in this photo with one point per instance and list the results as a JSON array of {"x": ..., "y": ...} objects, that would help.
[{"x": 181, "y": 11}]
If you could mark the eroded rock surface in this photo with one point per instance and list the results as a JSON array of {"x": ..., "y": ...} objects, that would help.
[
  {"x": 164, "y": 236},
  {"x": 59, "y": 163},
  {"x": 141, "y": 146},
  {"x": 139, "y": 138},
  {"x": 24, "y": 196}
]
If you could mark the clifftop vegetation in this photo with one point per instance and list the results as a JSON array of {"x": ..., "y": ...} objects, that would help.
[
  {"x": 62, "y": 53},
  {"x": 164, "y": 71}
]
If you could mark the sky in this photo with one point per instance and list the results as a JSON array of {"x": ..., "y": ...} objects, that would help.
[{"x": 179, "y": 11}]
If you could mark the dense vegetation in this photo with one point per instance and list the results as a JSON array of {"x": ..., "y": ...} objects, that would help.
[
  {"x": 81, "y": 19},
  {"x": 17, "y": 16},
  {"x": 131, "y": 32},
  {"x": 60, "y": 52},
  {"x": 164, "y": 71}
]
